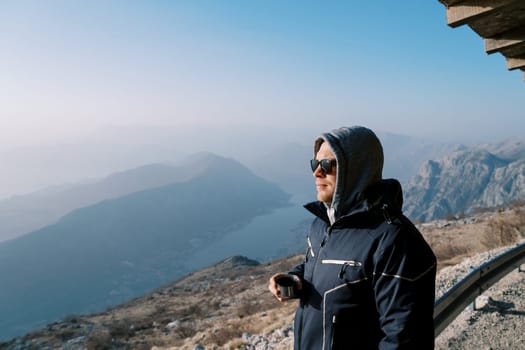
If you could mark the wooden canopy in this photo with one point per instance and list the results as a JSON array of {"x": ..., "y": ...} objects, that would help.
[{"x": 501, "y": 24}]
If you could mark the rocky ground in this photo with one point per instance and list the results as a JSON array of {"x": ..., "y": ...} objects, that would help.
[{"x": 498, "y": 319}]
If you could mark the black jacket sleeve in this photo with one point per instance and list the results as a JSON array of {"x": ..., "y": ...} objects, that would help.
[
  {"x": 298, "y": 270},
  {"x": 404, "y": 289}
]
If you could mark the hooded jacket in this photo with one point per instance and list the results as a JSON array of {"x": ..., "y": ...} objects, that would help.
[{"x": 369, "y": 278}]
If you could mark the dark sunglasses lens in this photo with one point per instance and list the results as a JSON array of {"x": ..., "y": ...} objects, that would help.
[
  {"x": 314, "y": 163},
  {"x": 326, "y": 165}
]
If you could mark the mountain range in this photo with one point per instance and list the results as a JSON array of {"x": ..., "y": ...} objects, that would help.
[
  {"x": 44, "y": 207},
  {"x": 466, "y": 180},
  {"x": 112, "y": 251}
]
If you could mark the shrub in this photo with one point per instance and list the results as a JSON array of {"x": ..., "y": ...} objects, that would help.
[
  {"x": 248, "y": 308},
  {"x": 185, "y": 330},
  {"x": 224, "y": 335},
  {"x": 121, "y": 329},
  {"x": 502, "y": 232},
  {"x": 99, "y": 339},
  {"x": 72, "y": 319}
]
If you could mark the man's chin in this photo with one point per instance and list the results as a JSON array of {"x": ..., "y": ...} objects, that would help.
[{"x": 326, "y": 200}]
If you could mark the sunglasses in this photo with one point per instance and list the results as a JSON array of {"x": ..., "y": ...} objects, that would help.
[{"x": 326, "y": 165}]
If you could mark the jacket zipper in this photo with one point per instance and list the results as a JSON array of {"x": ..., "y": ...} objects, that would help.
[
  {"x": 323, "y": 242},
  {"x": 326, "y": 235}
]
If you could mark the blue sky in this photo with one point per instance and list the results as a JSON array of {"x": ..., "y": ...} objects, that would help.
[{"x": 70, "y": 67}]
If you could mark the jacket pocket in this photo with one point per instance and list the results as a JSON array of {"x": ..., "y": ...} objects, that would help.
[
  {"x": 354, "y": 273},
  {"x": 341, "y": 262}
]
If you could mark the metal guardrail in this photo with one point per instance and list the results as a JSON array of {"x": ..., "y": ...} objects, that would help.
[{"x": 457, "y": 298}]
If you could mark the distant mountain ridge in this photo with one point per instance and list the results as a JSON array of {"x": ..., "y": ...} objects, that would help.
[
  {"x": 511, "y": 149},
  {"x": 109, "y": 252},
  {"x": 25, "y": 213},
  {"x": 483, "y": 176}
]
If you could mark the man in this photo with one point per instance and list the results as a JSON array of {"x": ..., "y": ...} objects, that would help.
[{"x": 368, "y": 278}]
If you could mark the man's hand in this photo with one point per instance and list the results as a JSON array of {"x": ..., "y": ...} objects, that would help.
[{"x": 274, "y": 288}]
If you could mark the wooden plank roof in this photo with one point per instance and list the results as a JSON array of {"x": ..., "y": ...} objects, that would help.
[{"x": 501, "y": 24}]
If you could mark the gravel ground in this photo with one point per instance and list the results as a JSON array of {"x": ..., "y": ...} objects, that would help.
[
  {"x": 497, "y": 323},
  {"x": 499, "y": 319}
]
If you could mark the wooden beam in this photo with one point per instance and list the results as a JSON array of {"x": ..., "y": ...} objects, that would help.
[
  {"x": 515, "y": 63},
  {"x": 448, "y": 3},
  {"x": 468, "y": 10},
  {"x": 514, "y": 51},
  {"x": 505, "y": 40}
]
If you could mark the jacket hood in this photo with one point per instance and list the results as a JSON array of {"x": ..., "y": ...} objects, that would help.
[{"x": 359, "y": 157}]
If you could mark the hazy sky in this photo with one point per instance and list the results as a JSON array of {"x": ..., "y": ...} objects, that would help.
[{"x": 68, "y": 67}]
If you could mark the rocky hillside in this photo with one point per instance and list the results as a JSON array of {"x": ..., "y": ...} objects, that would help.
[
  {"x": 466, "y": 180},
  {"x": 228, "y": 306}
]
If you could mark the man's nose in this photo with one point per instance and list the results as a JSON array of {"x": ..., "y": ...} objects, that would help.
[{"x": 318, "y": 172}]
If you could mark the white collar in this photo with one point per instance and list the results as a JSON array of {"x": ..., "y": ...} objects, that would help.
[{"x": 331, "y": 213}]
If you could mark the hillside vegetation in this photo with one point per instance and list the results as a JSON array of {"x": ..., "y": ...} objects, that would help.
[{"x": 216, "y": 306}]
